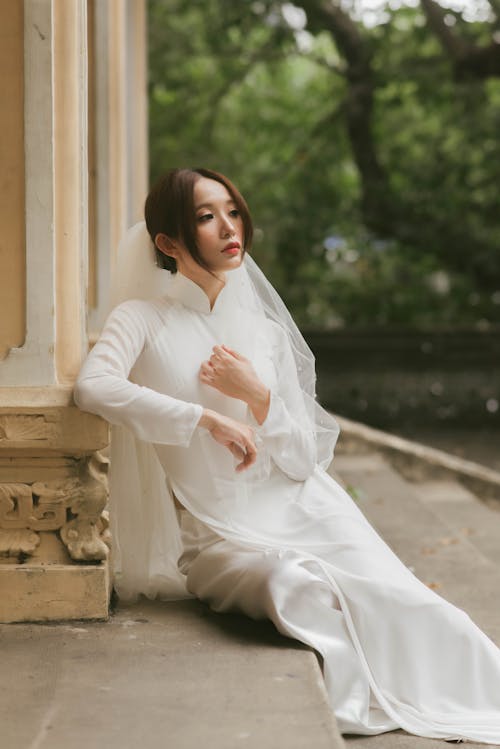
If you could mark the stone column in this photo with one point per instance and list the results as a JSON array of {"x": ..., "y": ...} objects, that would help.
[
  {"x": 54, "y": 543},
  {"x": 118, "y": 107}
]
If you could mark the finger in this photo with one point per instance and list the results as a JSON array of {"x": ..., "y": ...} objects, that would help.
[
  {"x": 234, "y": 353},
  {"x": 237, "y": 451},
  {"x": 250, "y": 457},
  {"x": 231, "y": 351},
  {"x": 206, "y": 378},
  {"x": 247, "y": 461},
  {"x": 219, "y": 352}
]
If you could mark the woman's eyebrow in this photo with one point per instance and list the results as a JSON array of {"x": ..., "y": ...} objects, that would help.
[{"x": 210, "y": 205}]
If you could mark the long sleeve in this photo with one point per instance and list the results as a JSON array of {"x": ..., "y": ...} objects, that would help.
[
  {"x": 103, "y": 387},
  {"x": 291, "y": 446}
]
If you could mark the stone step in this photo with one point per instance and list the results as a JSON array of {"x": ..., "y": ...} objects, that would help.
[
  {"x": 402, "y": 740},
  {"x": 441, "y": 532},
  {"x": 443, "y": 558},
  {"x": 464, "y": 514},
  {"x": 453, "y": 503},
  {"x": 162, "y": 674}
]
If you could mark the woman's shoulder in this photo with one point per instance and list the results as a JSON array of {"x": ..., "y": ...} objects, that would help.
[
  {"x": 141, "y": 308},
  {"x": 144, "y": 317}
]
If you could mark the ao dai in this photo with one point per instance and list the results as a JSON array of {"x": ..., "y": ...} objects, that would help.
[{"x": 282, "y": 539}]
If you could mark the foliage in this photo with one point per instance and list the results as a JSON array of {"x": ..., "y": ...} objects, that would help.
[{"x": 397, "y": 224}]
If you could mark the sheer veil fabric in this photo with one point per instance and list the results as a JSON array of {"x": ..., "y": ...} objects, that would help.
[
  {"x": 143, "y": 516},
  {"x": 288, "y": 538}
]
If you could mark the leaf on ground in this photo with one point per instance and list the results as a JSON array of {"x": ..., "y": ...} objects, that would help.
[
  {"x": 448, "y": 540},
  {"x": 433, "y": 585},
  {"x": 355, "y": 493}
]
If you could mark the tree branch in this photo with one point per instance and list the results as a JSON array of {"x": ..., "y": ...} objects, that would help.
[
  {"x": 358, "y": 104},
  {"x": 328, "y": 14},
  {"x": 469, "y": 60},
  {"x": 453, "y": 44}
]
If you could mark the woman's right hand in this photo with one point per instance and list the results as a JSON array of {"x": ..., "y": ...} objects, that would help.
[{"x": 237, "y": 437}]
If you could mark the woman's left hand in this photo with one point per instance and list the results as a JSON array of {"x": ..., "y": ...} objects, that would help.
[{"x": 233, "y": 374}]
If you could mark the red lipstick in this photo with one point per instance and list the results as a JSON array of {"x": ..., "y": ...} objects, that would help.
[{"x": 232, "y": 248}]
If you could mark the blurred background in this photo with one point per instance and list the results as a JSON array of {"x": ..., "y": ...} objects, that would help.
[{"x": 365, "y": 137}]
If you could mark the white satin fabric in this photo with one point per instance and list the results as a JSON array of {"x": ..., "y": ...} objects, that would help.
[{"x": 283, "y": 539}]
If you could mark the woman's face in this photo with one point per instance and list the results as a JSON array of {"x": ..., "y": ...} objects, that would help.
[{"x": 219, "y": 225}]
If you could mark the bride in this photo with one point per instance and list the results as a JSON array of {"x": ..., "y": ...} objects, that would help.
[{"x": 218, "y": 483}]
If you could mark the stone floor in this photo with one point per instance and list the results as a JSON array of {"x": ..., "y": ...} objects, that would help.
[
  {"x": 177, "y": 676},
  {"x": 170, "y": 675},
  {"x": 446, "y": 536}
]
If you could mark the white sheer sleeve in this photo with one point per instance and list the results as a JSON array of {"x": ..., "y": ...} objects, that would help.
[
  {"x": 103, "y": 387},
  {"x": 291, "y": 447}
]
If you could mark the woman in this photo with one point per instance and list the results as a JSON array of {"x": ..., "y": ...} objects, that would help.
[{"x": 210, "y": 388}]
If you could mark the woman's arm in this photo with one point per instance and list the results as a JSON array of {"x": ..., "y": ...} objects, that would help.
[
  {"x": 102, "y": 386},
  {"x": 237, "y": 437},
  {"x": 278, "y": 415}
]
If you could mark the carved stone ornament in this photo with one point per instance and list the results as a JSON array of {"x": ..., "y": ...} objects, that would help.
[
  {"x": 73, "y": 506},
  {"x": 21, "y": 428},
  {"x": 18, "y": 543}
]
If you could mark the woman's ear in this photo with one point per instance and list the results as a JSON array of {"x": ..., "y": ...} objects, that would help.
[{"x": 166, "y": 245}]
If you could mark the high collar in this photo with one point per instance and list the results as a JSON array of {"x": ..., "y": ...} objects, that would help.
[{"x": 191, "y": 295}]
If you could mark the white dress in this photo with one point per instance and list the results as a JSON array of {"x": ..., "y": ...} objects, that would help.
[{"x": 283, "y": 540}]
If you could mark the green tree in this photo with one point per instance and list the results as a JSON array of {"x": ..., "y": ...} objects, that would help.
[{"x": 370, "y": 156}]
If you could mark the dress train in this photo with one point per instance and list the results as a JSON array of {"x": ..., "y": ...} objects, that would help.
[{"x": 395, "y": 654}]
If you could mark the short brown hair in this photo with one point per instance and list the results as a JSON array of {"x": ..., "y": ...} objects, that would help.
[{"x": 169, "y": 209}]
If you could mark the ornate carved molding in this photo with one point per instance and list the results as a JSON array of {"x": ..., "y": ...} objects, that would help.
[
  {"x": 45, "y": 420},
  {"x": 39, "y": 507},
  {"x": 86, "y": 535},
  {"x": 18, "y": 543},
  {"x": 73, "y": 506},
  {"x": 26, "y": 427}
]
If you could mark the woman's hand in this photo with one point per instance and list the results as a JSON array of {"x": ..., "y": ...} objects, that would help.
[
  {"x": 233, "y": 374},
  {"x": 237, "y": 437}
]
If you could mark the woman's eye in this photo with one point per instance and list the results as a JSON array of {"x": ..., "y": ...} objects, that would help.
[
  {"x": 234, "y": 213},
  {"x": 205, "y": 217}
]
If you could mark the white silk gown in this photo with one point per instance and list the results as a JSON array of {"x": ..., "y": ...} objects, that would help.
[{"x": 283, "y": 540}]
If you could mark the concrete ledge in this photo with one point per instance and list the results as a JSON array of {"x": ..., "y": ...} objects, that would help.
[
  {"x": 45, "y": 421},
  {"x": 417, "y": 462},
  {"x": 162, "y": 675},
  {"x": 54, "y": 592},
  {"x": 55, "y": 396}
]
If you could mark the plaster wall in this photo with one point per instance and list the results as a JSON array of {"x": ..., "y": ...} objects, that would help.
[
  {"x": 118, "y": 131},
  {"x": 12, "y": 236}
]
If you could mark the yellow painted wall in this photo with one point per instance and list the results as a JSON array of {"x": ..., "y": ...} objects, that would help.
[
  {"x": 12, "y": 235},
  {"x": 92, "y": 155}
]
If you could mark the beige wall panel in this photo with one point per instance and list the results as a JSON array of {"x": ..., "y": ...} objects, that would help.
[
  {"x": 118, "y": 184},
  {"x": 71, "y": 215},
  {"x": 92, "y": 157},
  {"x": 137, "y": 110},
  {"x": 12, "y": 236}
]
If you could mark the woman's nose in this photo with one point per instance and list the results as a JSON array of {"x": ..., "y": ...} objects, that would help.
[{"x": 227, "y": 227}]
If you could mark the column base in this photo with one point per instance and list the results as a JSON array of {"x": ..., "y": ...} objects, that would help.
[
  {"x": 54, "y": 529},
  {"x": 33, "y": 593}
]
